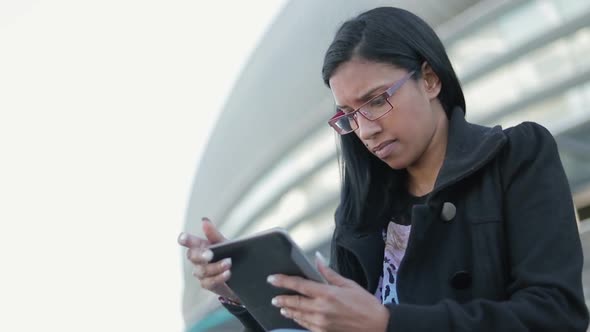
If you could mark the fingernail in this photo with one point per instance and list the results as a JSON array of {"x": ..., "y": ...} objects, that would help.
[
  {"x": 271, "y": 279},
  {"x": 226, "y": 262},
  {"x": 275, "y": 302},
  {"x": 207, "y": 255},
  {"x": 205, "y": 219},
  {"x": 284, "y": 312},
  {"x": 182, "y": 238},
  {"x": 226, "y": 274},
  {"x": 321, "y": 258}
]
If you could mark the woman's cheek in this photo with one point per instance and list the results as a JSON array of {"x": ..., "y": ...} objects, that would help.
[{"x": 401, "y": 159}]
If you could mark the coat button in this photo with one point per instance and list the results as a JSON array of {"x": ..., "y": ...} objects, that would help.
[
  {"x": 461, "y": 280},
  {"x": 448, "y": 212}
]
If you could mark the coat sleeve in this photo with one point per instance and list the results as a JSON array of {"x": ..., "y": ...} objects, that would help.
[
  {"x": 545, "y": 253},
  {"x": 250, "y": 324}
]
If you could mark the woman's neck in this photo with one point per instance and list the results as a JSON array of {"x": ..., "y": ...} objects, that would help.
[{"x": 422, "y": 174}]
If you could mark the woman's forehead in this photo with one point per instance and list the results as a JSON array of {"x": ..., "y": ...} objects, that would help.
[
  {"x": 353, "y": 79},
  {"x": 362, "y": 67}
]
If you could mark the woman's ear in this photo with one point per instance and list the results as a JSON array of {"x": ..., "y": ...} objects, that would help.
[{"x": 432, "y": 84}]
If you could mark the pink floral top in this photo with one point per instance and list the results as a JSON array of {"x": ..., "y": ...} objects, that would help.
[{"x": 396, "y": 242}]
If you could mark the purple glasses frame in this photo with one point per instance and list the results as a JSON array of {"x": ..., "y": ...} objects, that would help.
[{"x": 352, "y": 115}]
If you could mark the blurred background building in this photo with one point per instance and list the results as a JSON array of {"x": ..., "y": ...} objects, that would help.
[{"x": 271, "y": 159}]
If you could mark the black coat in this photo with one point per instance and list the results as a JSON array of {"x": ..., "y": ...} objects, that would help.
[{"x": 494, "y": 248}]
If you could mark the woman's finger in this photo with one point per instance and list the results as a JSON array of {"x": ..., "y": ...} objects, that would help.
[
  {"x": 191, "y": 241},
  {"x": 212, "y": 269},
  {"x": 307, "y": 325},
  {"x": 216, "y": 281},
  {"x": 310, "y": 321},
  {"x": 211, "y": 232},
  {"x": 298, "y": 284},
  {"x": 199, "y": 256},
  {"x": 297, "y": 302},
  {"x": 303, "y": 324}
]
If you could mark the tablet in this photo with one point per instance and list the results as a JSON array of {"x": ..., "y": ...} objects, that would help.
[{"x": 256, "y": 257}]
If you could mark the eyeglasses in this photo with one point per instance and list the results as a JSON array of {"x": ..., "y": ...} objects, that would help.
[{"x": 377, "y": 107}]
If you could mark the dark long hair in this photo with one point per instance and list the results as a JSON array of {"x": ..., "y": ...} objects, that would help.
[{"x": 400, "y": 38}]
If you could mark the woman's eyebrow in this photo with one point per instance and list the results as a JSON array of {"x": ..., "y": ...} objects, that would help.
[{"x": 367, "y": 95}]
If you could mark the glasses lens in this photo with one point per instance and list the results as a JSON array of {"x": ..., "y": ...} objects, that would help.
[
  {"x": 376, "y": 108},
  {"x": 345, "y": 125}
]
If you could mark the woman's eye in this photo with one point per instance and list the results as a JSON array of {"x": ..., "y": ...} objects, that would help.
[
  {"x": 379, "y": 101},
  {"x": 351, "y": 115}
]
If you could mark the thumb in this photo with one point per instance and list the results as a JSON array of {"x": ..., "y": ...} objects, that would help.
[
  {"x": 213, "y": 235},
  {"x": 330, "y": 275}
]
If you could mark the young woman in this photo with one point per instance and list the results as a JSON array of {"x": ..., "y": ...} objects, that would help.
[{"x": 443, "y": 225}]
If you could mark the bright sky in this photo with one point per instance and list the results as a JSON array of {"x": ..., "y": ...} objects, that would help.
[{"x": 104, "y": 109}]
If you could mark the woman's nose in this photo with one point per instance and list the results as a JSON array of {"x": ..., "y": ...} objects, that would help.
[{"x": 367, "y": 128}]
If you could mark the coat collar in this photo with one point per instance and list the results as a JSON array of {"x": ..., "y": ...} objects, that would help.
[{"x": 469, "y": 148}]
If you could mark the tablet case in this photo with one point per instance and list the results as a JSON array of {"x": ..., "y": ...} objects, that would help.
[{"x": 253, "y": 260}]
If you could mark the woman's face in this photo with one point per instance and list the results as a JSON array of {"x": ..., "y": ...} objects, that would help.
[{"x": 400, "y": 137}]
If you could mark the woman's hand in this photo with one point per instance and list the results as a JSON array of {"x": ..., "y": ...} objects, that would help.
[
  {"x": 342, "y": 305},
  {"x": 212, "y": 276}
]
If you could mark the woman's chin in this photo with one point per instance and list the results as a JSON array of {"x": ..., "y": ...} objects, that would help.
[{"x": 396, "y": 163}]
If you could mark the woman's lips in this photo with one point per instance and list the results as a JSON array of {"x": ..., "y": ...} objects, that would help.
[{"x": 385, "y": 149}]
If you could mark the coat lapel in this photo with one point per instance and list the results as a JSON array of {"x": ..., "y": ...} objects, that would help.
[{"x": 368, "y": 249}]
